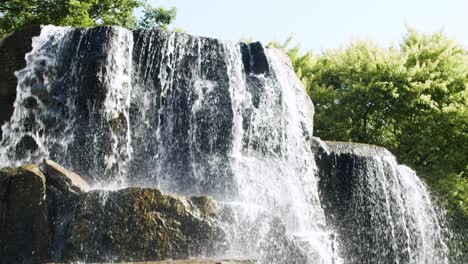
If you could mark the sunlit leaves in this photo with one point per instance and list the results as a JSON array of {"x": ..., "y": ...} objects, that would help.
[
  {"x": 157, "y": 17},
  {"x": 16, "y": 14}
]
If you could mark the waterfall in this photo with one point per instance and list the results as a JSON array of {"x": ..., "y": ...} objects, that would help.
[
  {"x": 72, "y": 102},
  {"x": 381, "y": 209},
  {"x": 198, "y": 116}
]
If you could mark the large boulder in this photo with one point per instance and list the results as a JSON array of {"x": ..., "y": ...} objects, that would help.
[
  {"x": 24, "y": 232},
  {"x": 137, "y": 224}
]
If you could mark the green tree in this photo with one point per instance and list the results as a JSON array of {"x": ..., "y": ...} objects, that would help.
[
  {"x": 16, "y": 14},
  {"x": 157, "y": 17},
  {"x": 434, "y": 135}
]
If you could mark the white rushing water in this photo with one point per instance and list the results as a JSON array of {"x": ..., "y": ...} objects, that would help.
[
  {"x": 116, "y": 77},
  {"x": 416, "y": 204},
  {"x": 34, "y": 81},
  {"x": 382, "y": 210},
  {"x": 272, "y": 162},
  {"x": 198, "y": 116},
  {"x": 44, "y": 123}
]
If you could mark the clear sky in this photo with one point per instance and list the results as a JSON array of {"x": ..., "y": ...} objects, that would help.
[{"x": 320, "y": 25}]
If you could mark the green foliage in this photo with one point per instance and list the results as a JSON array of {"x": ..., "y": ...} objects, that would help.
[
  {"x": 157, "y": 17},
  {"x": 16, "y": 14},
  {"x": 411, "y": 99}
]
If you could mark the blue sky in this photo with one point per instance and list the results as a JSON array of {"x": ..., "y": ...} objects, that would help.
[{"x": 320, "y": 25}]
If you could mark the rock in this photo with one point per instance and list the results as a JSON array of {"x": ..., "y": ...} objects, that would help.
[
  {"x": 346, "y": 172},
  {"x": 25, "y": 147},
  {"x": 370, "y": 200},
  {"x": 49, "y": 218},
  {"x": 205, "y": 204},
  {"x": 348, "y": 148},
  {"x": 12, "y": 50},
  {"x": 56, "y": 172},
  {"x": 138, "y": 224},
  {"x": 254, "y": 58},
  {"x": 23, "y": 215}
]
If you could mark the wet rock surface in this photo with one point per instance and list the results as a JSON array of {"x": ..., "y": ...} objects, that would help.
[
  {"x": 44, "y": 218},
  {"x": 376, "y": 205},
  {"x": 12, "y": 50},
  {"x": 24, "y": 236},
  {"x": 344, "y": 170},
  {"x": 137, "y": 224}
]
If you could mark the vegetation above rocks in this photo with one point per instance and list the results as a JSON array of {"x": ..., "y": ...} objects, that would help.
[{"x": 17, "y": 14}]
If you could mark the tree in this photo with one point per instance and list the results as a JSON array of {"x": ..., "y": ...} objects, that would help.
[
  {"x": 434, "y": 106},
  {"x": 16, "y": 14},
  {"x": 157, "y": 17}
]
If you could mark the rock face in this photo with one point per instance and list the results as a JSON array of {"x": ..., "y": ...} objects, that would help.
[
  {"x": 381, "y": 211},
  {"x": 24, "y": 236},
  {"x": 43, "y": 220},
  {"x": 12, "y": 51}
]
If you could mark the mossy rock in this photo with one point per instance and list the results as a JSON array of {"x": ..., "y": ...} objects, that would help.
[{"x": 140, "y": 224}]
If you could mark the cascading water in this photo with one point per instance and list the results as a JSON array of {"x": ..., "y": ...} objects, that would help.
[
  {"x": 73, "y": 98},
  {"x": 273, "y": 164},
  {"x": 382, "y": 210},
  {"x": 211, "y": 128},
  {"x": 195, "y": 115}
]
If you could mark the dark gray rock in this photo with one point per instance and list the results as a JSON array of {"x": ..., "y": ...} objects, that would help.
[
  {"x": 346, "y": 184},
  {"x": 180, "y": 84},
  {"x": 12, "y": 51},
  {"x": 254, "y": 58},
  {"x": 24, "y": 231},
  {"x": 380, "y": 210},
  {"x": 180, "y": 72}
]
